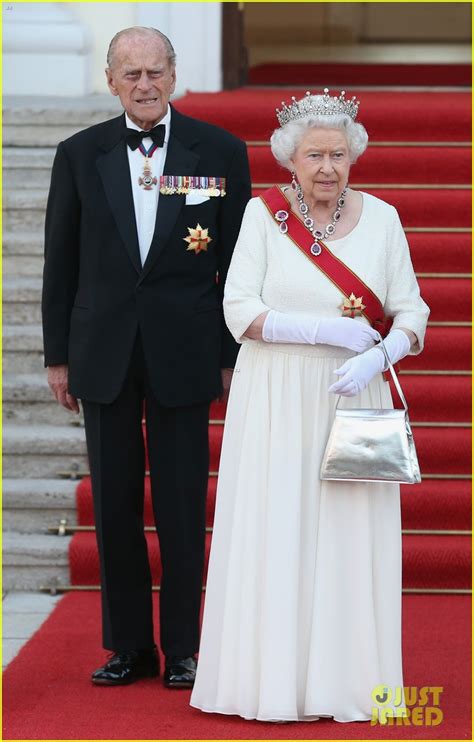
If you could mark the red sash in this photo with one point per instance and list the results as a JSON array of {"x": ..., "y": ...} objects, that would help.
[{"x": 337, "y": 272}]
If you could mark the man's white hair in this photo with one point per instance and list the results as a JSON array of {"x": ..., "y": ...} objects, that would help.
[
  {"x": 141, "y": 30},
  {"x": 285, "y": 140}
]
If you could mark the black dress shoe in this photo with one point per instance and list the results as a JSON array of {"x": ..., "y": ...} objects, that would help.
[
  {"x": 127, "y": 667},
  {"x": 180, "y": 672}
]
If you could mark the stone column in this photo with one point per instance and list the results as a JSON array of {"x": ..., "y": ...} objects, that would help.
[
  {"x": 46, "y": 51},
  {"x": 195, "y": 30}
]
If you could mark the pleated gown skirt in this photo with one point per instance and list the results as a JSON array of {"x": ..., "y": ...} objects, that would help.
[{"x": 302, "y": 613}]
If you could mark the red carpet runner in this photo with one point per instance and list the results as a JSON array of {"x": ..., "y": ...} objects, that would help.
[
  {"x": 48, "y": 694},
  {"x": 388, "y": 117},
  {"x": 357, "y": 73}
]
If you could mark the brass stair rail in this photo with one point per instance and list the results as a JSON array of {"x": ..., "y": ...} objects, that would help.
[
  {"x": 58, "y": 588},
  {"x": 63, "y": 529}
]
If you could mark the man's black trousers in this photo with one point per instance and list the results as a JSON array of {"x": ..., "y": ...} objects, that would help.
[{"x": 178, "y": 453}]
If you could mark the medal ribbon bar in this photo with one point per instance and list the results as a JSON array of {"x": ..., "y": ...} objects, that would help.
[{"x": 184, "y": 184}]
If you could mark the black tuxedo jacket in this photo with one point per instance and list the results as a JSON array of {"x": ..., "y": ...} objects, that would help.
[{"x": 96, "y": 294}]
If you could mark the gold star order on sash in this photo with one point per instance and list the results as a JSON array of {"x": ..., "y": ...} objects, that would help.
[
  {"x": 198, "y": 239},
  {"x": 352, "y": 306}
]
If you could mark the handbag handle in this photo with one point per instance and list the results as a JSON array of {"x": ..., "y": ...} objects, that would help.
[
  {"x": 394, "y": 375},
  {"x": 392, "y": 371}
]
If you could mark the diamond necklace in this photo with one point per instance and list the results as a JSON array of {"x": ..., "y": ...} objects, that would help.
[{"x": 329, "y": 230}]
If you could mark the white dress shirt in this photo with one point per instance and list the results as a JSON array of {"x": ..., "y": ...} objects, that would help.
[{"x": 146, "y": 202}]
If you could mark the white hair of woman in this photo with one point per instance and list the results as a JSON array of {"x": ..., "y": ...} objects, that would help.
[{"x": 285, "y": 140}]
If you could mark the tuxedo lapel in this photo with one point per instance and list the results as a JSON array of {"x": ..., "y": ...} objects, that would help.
[
  {"x": 115, "y": 173},
  {"x": 179, "y": 161}
]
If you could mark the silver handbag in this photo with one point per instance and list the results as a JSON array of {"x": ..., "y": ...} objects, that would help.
[{"x": 372, "y": 445}]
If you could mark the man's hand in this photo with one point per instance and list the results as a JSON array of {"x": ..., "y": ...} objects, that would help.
[
  {"x": 226, "y": 374},
  {"x": 58, "y": 383}
]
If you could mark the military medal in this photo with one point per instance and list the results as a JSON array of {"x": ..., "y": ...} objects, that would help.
[
  {"x": 147, "y": 181},
  {"x": 198, "y": 239},
  {"x": 352, "y": 306},
  {"x": 204, "y": 185}
]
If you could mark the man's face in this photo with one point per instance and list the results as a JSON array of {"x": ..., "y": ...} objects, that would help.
[{"x": 142, "y": 78}]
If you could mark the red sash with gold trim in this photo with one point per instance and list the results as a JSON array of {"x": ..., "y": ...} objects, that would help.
[{"x": 338, "y": 273}]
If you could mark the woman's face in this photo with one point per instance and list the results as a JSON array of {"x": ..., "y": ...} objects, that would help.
[{"x": 322, "y": 164}]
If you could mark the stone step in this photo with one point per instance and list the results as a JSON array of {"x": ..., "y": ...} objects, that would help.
[
  {"x": 23, "y": 265},
  {"x": 24, "y": 209},
  {"x": 23, "y": 254},
  {"x": 21, "y": 178},
  {"x": 22, "y": 349},
  {"x": 27, "y": 399},
  {"x": 32, "y": 560},
  {"x": 22, "y": 289},
  {"x": 22, "y": 299},
  {"x": 26, "y": 337},
  {"x": 44, "y": 135},
  {"x": 23, "y": 243},
  {"x": 42, "y": 451},
  {"x": 34, "y": 505},
  {"x": 23, "y": 362},
  {"x": 24, "y": 168},
  {"x": 53, "y": 119}
]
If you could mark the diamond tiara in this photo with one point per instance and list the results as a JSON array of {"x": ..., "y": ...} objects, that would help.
[{"x": 324, "y": 106}]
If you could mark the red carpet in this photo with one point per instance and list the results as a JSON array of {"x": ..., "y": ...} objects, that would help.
[
  {"x": 444, "y": 251},
  {"x": 429, "y": 561},
  {"x": 454, "y": 405},
  {"x": 47, "y": 693},
  {"x": 423, "y": 208},
  {"x": 356, "y": 73},
  {"x": 405, "y": 117},
  {"x": 417, "y": 165},
  {"x": 440, "y": 562},
  {"x": 440, "y": 450},
  {"x": 446, "y": 348},
  {"x": 448, "y": 299},
  {"x": 437, "y": 504}
]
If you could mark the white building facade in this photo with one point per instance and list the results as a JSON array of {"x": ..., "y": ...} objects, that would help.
[{"x": 59, "y": 49}]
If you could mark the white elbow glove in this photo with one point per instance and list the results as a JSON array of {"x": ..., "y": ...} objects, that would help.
[
  {"x": 295, "y": 328},
  {"x": 358, "y": 372}
]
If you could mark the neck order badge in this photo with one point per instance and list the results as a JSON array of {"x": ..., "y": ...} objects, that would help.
[{"x": 134, "y": 140}]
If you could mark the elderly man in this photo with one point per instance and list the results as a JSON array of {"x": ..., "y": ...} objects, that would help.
[{"x": 142, "y": 217}]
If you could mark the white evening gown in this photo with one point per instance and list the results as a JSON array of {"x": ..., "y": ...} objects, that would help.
[{"x": 302, "y": 612}]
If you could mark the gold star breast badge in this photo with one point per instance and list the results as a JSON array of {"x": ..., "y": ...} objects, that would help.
[
  {"x": 352, "y": 307},
  {"x": 198, "y": 239}
]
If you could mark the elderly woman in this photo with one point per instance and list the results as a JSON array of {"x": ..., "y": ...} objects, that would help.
[{"x": 303, "y": 605}]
